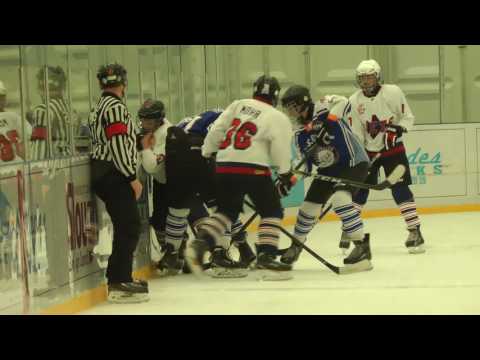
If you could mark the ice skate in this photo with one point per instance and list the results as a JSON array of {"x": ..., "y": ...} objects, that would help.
[
  {"x": 247, "y": 256},
  {"x": 269, "y": 269},
  {"x": 291, "y": 254},
  {"x": 415, "y": 243},
  {"x": 127, "y": 293},
  {"x": 171, "y": 263},
  {"x": 359, "y": 258},
  {"x": 223, "y": 266}
]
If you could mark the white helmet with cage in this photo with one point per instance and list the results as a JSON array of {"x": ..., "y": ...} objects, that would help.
[{"x": 363, "y": 73}]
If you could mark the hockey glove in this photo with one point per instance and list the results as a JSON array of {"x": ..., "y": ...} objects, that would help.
[
  {"x": 393, "y": 132},
  {"x": 284, "y": 183}
]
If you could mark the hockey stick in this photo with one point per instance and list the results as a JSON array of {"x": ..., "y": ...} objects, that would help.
[
  {"x": 394, "y": 177},
  {"x": 332, "y": 267},
  {"x": 280, "y": 252},
  {"x": 297, "y": 168}
]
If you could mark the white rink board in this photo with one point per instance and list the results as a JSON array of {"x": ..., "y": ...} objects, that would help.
[{"x": 437, "y": 163}]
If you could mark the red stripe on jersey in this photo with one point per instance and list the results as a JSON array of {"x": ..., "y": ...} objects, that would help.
[
  {"x": 39, "y": 133},
  {"x": 242, "y": 171},
  {"x": 116, "y": 129},
  {"x": 396, "y": 150}
]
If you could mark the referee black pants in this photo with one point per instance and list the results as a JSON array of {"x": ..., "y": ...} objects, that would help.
[{"x": 119, "y": 198}]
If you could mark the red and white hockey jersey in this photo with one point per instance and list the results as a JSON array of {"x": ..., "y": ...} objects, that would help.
[
  {"x": 11, "y": 136},
  {"x": 153, "y": 160},
  {"x": 368, "y": 117},
  {"x": 250, "y": 135}
]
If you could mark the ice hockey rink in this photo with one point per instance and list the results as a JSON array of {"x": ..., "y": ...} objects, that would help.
[{"x": 443, "y": 280}]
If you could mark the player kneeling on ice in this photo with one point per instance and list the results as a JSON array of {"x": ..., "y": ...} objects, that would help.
[
  {"x": 329, "y": 144},
  {"x": 248, "y": 137}
]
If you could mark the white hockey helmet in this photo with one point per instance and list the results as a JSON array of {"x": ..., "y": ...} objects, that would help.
[{"x": 365, "y": 68}]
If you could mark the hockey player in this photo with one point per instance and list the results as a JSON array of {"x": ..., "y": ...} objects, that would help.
[
  {"x": 331, "y": 146},
  {"x": 11, "y": 145},
  {"x": 56, "y": 116},
  {"x": 249, "y": 137},
  {"x": 379, "y": 116},
  {"x": 197, "y": 127}
]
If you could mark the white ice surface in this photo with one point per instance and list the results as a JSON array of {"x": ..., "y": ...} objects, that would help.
[{"x": 444, "y": 280}]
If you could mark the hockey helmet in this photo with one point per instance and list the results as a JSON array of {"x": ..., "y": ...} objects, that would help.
[
  {"x": 369, "y": 76},
  {"x": 267, "y": 87},
  {"x": 296, "y": 100},
  {"x": 151, "y": 114},
  {"x": 112, "y": 75}
]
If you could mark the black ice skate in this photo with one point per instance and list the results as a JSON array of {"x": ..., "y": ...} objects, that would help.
[
  {"x": 223, "y": 266},
  {"x": 170, "y": 264},
  {"x": 127, "y": 293},
  {"x": 359, "y": 258},
  {"x": 247, "y": 256},
  {"x": 291, "y": 254},
  {"x": 141, "y": 283},
  {"x": 271, "y": 269},
  {"x": 415, "y": 242}
]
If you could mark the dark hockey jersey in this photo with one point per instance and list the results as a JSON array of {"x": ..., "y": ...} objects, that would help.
[{"x": 332, "y": 142}]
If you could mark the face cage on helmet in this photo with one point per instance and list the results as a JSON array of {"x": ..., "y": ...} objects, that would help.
[
  {"x": 156, "y": 123},
  {"x": 370, "y": 89}
]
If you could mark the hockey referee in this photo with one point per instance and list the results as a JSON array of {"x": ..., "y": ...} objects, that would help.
[{"x": 113, "y": 172}]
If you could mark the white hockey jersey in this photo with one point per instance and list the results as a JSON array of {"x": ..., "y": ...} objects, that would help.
[
  {"x": 368, "y": 117},
  {"x": 153, "y": 160},
  {"x": 335, "y": 104},
  {"x": 251, "y": 132},
  {"x": 11, "y": 136}
]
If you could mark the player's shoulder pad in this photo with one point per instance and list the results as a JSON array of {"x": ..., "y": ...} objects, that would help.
[{"x": 392, "y": 89}]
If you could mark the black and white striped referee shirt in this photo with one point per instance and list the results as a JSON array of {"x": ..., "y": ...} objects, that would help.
[
  {"x": 59, "y": 114},
  {"x": 113, "y": 134}
]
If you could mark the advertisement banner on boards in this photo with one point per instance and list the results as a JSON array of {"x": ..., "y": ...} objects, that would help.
[{"x": 437, "y": 161}]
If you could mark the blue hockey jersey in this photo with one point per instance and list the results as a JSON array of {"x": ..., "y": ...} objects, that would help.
[
  {"x": 200, "y": 124},
  {"x": 336, "y": 147}
]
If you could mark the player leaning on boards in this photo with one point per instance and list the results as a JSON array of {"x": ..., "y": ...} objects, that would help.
[
  {"x": 114, "y": 180},
  {"x": 379, "y": 116},
  {"x": 249, "y": 137},
  {"x": 328, "y": 142}
]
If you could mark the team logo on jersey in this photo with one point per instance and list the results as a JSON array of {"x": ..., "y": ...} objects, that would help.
[
  {"x": 326, "y": 156},
  {"x": 376, "y": 126},
  {"x": 361, "y": 109}
]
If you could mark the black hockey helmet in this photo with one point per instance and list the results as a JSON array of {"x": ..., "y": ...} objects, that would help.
[
  {"x": 267, "y": 87},
  {"x": 57, "y": 79},
  {"x": 152, "y": 114},
  {"x": 296, "y": 100},
  {"x": 112, "y": 75}
]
